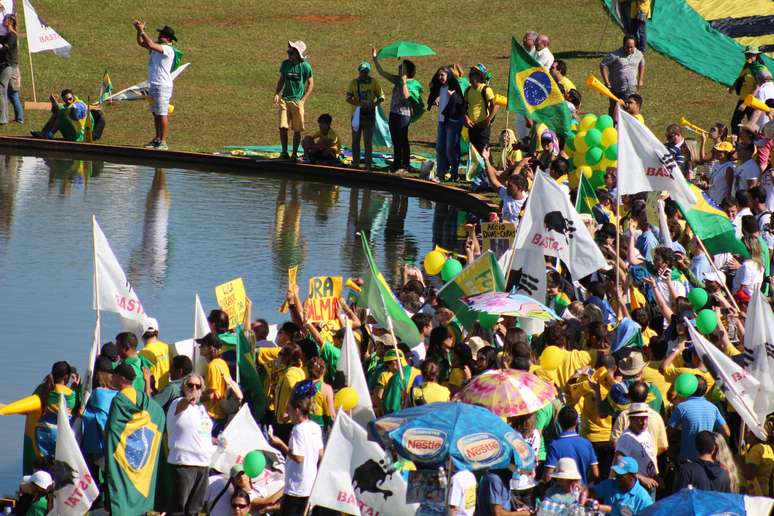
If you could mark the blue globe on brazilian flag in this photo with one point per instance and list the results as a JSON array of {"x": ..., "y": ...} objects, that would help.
[{"x": 534, "y": 93}]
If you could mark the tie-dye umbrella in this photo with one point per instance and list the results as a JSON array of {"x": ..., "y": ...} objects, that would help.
[
  {"x": 516, "y": 305},
  {"x": 508, "y": 392}
]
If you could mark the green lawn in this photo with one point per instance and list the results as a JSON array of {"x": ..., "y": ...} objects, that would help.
[{"x": 236, "y": 47}]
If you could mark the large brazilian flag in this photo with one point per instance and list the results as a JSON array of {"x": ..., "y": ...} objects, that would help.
[
  {"x": 533, "y": 93},
  {"x": 133, "y": 434},
  {"x": 481, "y": 276}
]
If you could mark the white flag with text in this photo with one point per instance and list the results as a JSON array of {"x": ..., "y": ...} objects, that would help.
[
  {"x": 40, "y": 36},
  {"x": 759, "y": 351}
]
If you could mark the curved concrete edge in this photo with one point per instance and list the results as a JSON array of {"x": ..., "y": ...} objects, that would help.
[{"x": 430, "y": 190}]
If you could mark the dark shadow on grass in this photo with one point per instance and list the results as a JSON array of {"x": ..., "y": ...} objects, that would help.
[{"x": 580, "y": 54}]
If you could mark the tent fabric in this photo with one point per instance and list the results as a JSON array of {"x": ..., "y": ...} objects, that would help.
[
  {"x": 750, "y": 22},
  {"x": 679, "y": 32}
]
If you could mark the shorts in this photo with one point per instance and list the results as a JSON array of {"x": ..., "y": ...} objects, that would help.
[
  {"x": 160, "y": 96},
  {"x": 291, "y": 115}
]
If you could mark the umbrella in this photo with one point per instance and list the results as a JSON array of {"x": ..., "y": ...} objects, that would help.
[
  {"x": 516, "y": 305},
  {"x": 473, "y": 437},
  {"x": 401, "y": 49},
  {"x": 695, "y": 502},
  {"x": 508, "y": 392}
]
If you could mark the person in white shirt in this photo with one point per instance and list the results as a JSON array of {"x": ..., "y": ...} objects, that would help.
[
  {"x": 748, "y": 173},
  {"x": 462, "y": 495},
  {"x": 764, "y": 92},
  {"x": 543, "y": 55},
  {"x": 514, "y": 192},
  {"x": 264, "y": 492},
  {"x": 528, "y": 42},
  {"x": 636, "y": 442},
  {"x": 189, "y": 433},
  {"x": 162, "y": 58},
  {"x": 304, "y": 453},
  {"x": 750, "y": 273},
  {"x": 721, "y": 174}
]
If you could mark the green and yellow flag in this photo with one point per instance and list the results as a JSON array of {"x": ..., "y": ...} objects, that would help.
[
  {"x": 249, "y": 379},
  {"x": 481, "y": 276},
  {"x": 587, "y": 197},
  {"x": 133, "y": 441},
  {"x": 534, "y": 93},
  {"x": 106, "y": 88},
  {"x": 712, "y": 225}
]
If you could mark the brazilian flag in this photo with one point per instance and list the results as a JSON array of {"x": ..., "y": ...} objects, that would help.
[
  {"x": 534, "y": 93},
  {"x": 587, "y": 197},
  {"x": 483, "y": 275},
  {"x": 249, "y": 379},
  {"x": 133, "y": 436}
]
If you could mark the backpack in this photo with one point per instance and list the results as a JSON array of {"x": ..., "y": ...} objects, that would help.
[{"x": 553, "y": 429}]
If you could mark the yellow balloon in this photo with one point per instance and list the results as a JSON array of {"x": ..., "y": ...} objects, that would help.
[
  {"x": 588, "y": 122},
  {"x": 586, "y": 171},
  {"x": 609, "y": 136},
  {"x": 434, "y": 261},
  {"x": 579, "y": 159},
  {"x": 347, "y": 399},
  {"x": 552, "y": 358},
  {"x": 580, "y": 143}
]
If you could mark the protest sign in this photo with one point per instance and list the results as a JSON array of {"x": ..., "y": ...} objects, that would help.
[
  {"x": 292, "y": 272},
  {"x": 497, "y": 237},
  {"x": 232, "y": 299}
]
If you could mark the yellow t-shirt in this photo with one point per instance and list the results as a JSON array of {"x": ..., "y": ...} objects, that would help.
[
  {"x": 640, "y": 118},
  {"x": 333, "y": 139},
  {"x": 593, "y": 426},
  {"x": 431, "y": 392},
  {"x": 574, "y": 360},
  {"x": 647, "y": 333},
  {"x": 284, "y": 390},
  {"x": 217, "y": 374},
  {"x": 672, "y": 372},
  {"x": 366, "y": 91},
  {"x": 567, "y": 84},
  {"x": 762, "y": 456},
  {"x": 640, "y": 6},
  {"x": 159, "y": 355},
  {"x": 456, "y": 378},
  {"x": 267, "y": 357},
  {"x": 474, "y": 98},
  {"x": 651, "y": 374}
]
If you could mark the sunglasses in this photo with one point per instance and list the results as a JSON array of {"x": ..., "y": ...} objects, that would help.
[
  {"x": 239, "y": 506},
  {"x": 196, "y": 386}
]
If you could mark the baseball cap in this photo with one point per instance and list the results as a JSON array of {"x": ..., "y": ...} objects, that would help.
[
  {"x": 724, "y": 147},
  {"x": 365, "y": 66},
  {"x": 41, "y": 478},
  {"x": 625, "y": 466},
  {"x": 236, "y": 470},
  {"x": 752, "y": 49},
  {"x": 392, "y": 354},
  {"x": 150, "y": 325},
  {"x": 637, "y": 409}
]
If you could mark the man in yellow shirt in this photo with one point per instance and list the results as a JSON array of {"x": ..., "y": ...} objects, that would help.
[
  {"x": 559, "y": 73},
  {"x": 639, "y": 14},
  {"x": 480, "y": 107},
  {"x": 324, "y": 145},
  {"x": 364, "y": 93},
  {"x": 157, "y": 353},
  {"x": 217, "y": 382},
  {"x": 633, "y": 106}
]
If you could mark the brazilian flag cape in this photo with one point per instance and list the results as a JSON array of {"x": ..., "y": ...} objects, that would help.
[
  {"x": 249, "y": 379},
  {"x": 133, "y": 441}
]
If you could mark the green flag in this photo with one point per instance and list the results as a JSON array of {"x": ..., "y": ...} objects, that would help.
[
  {"x": 106, "y": 88},
  {"x": 483, "y": 275},
  {"x": 133, "y": 442},
  {"x": 712, "y": 225},
  {"x": 587, "y": 197},
  {"x": 249, "y": 380},
  {"x": 378, "y": 297},
  {"x": 534, "y": 93}
]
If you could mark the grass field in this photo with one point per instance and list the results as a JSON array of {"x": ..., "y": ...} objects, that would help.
[{"x": 236, "y": 47}]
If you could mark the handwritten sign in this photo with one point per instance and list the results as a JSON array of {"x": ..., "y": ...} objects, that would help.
[
  {"x": 497, "y": 237},
  {"x": 232, "y": 299},
  {"x": 292, "y": 272},
  {"x": 322, "y": 303}
]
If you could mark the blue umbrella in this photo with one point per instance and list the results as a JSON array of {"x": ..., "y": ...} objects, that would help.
[
  {"x": 472, "y": 436},
  {"x": 694, "y": 502}
]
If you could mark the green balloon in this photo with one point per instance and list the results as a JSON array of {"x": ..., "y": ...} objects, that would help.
[
  {"x": 450, "y": 269},
  {"x": 686, "y": 384},
  {"x": 597, "y": 179},
  {"x": 603, "y": 122},
  {"x": 706, "y": 321},
  {"x": 487, "y": 320},
  {"x": 611, "y": 152},
  {"x": 594, "y": 156},
  {"x": 698, "y": 298},
  {"x": 593, "y": 138},
  {"x": 254, "y": 463}
]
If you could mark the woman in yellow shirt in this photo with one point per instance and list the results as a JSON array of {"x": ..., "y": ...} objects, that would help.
[
  {"x": 290, "y": 358},
  {"x": 323, "y": 412},
  {"x": 430, "y": 391}
]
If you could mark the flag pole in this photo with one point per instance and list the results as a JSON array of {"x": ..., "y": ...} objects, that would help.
[
  {"x": 32, "y": 69},
  {"x": 617, "y": 238},
  {"x": 193, "y": 349},
  {"x": 97, "y": 330},
  {"x": 717, "y": 271}
]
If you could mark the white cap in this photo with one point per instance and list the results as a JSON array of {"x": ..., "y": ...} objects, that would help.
[
  {"x": 638, "y": 409},
  {"x": 717, "y": 277},
  {"x": 150, "y": 324},
  {"x": 566, "y": 469},
  {"x": 41, "y": 478},
  {"x": 300, "y": 46}
]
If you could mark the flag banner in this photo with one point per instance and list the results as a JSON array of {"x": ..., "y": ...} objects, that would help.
[
  {"x": 712, "y": 225},
  {"x": 322, "y": 304},
  {"x": 533, "y": 93},
  {"x": 476, "y": 166},
  {"x": 133, "y": 440},
  {"x": 76, "y": 489},
  {"x": 112, "y": 291},
  {"x": 88, "y": 380},
  {"x": 354, "y": 476},
  {"x": 645, "y": 165},
  {"x": 587, "y": 197},
  {"x": 552, "y": 226},
  {"x": 377, "y": 296},
  {"x": 529, "y": 274},
  {"x": 759, "y": 351},
  {"x": 140, "y": 90},
  {"x": 739, "y": 386},
  {"x": 241, "y": 436},
  {"x": 41, "y": 37},
  {"x": 481, "y": 276},
  {"x": 350, "y": 365},
  {"x": 201, "y": 325},
  {"x": 105, "y": 88}
]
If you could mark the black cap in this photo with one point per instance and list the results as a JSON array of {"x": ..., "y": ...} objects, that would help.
[
  {"x": 210, "y": 340},
  {"x": 168, "y": 32},
  {"x": 125, "y": 371},
  {"x": 110, "y": 350},
  {"x": 103, "y": 365}
]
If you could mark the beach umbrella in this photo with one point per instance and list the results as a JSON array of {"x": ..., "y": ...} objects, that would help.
[
  {"x": 472, "y": 437},
  {"x": 401, "y": 49},
  {"x": 695, "y": 502},
  {"x": 513, "y": 304},
  {"x": 508, "y": 392}
]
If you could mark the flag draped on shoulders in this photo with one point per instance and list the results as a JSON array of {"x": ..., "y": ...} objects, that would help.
[
  {"x": 133, "y": 441},
  {"x": 481, "y": 276},
  {"x": 552, "y": 226},
  {"x": 533, "y": 93},
  {"x": 711, "y": 224},
  {"x": 645, "y": 164},
  {"x": 377, "y": 296},
  {"x": 249, "y": 380}
]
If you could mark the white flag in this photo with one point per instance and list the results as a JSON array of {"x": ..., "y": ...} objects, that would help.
[
  {"x": 645, "y": 165},
  {"x": 112, "y": 291},
  {"x": 241, "y": 436},
  {"x": 354, "y": 477},
  {"x": 739, "y": 386},
  {"x": 76, "y": 489},
  {"x": 551, "y": 226},
  {"x": 88, "y": 381},
  {"x": 201, "y": 326},
  {"x": 41, "y": 37},
  {"x": 140, "y": 90},
  {"x": 349, "y": 364},
  {"x": 759, "y": 351}
]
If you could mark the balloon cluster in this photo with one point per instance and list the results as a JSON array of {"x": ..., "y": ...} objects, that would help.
[
  {"x": 594, "y": 148},
  {"x": 436, "y": 262}
]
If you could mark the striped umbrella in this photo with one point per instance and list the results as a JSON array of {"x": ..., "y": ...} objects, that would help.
[{"x": 508, "y": 392}]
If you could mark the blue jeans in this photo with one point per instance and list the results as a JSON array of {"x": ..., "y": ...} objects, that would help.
[
  {"x": 399, "y": 127},
  {"x": 447, "y": 148},
  {"x": 17, "y": 105},
  {"x": 639, "y": 32}
]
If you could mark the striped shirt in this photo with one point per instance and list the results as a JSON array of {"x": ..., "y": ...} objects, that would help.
[{"x": 692, "y": 416}]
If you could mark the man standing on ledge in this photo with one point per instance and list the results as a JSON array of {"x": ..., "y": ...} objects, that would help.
[
  {"x": 294, "y": 86},
  {"x": 160, "y": 64}
]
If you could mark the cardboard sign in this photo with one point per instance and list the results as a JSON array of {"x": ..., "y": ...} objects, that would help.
[
  {"x": 322, "y": 303},
  {"x": 232, "y": 299},
  {"x": 497, "y": 237},
  {"x": 292, "y": 272}
]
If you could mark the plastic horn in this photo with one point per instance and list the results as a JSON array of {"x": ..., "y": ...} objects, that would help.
[
  {"x": 693, "y": 127},
  {"x": 596, "y": 85},
  {"x": 754, "y": 103},
  {"x": 22, "y": 406},
  {"x": 501, "y": 100},
  {"x": 352, "y": 285}
]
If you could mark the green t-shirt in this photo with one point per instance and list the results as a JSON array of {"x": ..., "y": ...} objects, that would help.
[
  {"x": 137, "y": 363},
  {"x": 295, "y": 75},
  {"x": 330, "y": 355},
  {"x": 38, "y": 508}
]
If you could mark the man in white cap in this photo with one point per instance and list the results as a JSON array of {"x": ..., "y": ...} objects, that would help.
[
  {"x": 637, "y": 443},
  {"x": 34, "y": 493},
  {"x": 294, "y": 86},
  {"x": 157, "y": 353}
]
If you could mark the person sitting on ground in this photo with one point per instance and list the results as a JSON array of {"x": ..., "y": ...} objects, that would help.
[
  {"x": 324, "y": 145},
  {"x": 703, "y": 472},
  {"x": 70, "y": 118},
  {"x": 262, "y": 494}
]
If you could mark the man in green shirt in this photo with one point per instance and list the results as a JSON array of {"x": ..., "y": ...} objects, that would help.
[
  {"x": 127, "y": 350},
  {"x": 294, "y": 86}
]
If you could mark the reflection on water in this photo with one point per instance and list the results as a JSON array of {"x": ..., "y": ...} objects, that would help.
[{"x": 175, "y": 232}]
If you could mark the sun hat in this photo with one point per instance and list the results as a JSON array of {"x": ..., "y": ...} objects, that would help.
[
  {"x": 632, "y": 364},
  {"x": 387, "y": 340},
  {"x": 40, "y": 478},
  {"x": 625, "y": 466},
  {"x": 566, "y": 469},
  {"x": 638, "y": 409},
  {"x": 752, "y": 49},
  {"x": 724, "y": 147},
  {"x": 365, "y": 66},
  {"x": 475, "y": 344},
  {"x": 167, "y": 32},
  {"x": 300, "y": 46}
]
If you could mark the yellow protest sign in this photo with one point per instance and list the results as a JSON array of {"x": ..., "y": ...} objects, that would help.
[
  {"x": 497, "y": 237},
  {"x": 292, "y": 272},
  {"x": 232, "y": 299},
  {"x": 322, "y": 303}
]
